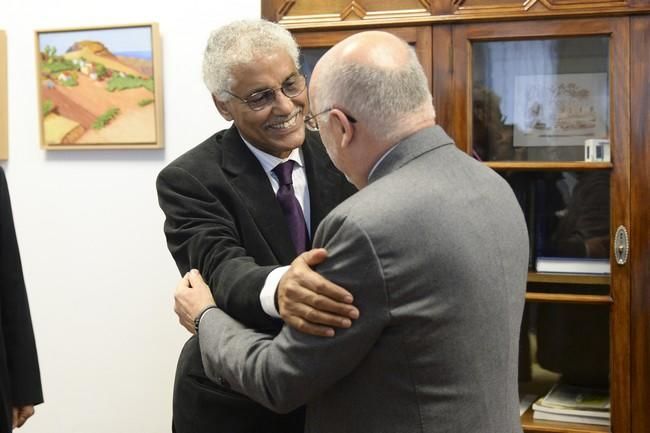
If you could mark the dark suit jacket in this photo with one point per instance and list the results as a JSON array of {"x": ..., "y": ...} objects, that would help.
[
  {"x": 222, "y": 218},
  {"x": 20, "y": 380},
  {"x": 435, "y": 252}
]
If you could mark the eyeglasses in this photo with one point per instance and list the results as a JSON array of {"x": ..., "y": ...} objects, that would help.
[
  {"x": 291, "y": 88},
  {"x": 312, "y": 124}
]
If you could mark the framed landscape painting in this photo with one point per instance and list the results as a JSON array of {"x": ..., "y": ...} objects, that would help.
[
  {"x": 4, "y": 125},
  {"x": 100, "y": 87}
]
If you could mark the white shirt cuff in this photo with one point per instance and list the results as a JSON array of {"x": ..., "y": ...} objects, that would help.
[{"x": 267, "y": 295}]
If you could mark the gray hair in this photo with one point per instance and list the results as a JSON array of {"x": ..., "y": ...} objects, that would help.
[
  {"x": 379, "y": 97},
  {"x": 238, "y": 43}
]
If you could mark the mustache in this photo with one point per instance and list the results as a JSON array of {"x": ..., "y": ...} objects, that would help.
[{"x": 282, "y": 119}]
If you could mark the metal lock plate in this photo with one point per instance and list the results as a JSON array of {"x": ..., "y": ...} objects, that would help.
[{"x": 621, "y": 245}]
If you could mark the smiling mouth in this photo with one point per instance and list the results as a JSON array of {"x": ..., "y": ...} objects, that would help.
[{"x": 289, "y": 123}]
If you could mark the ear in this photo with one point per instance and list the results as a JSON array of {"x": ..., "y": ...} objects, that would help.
[
  {"x": 346, "y": 127},
  {"x": 222, "y": 107}
]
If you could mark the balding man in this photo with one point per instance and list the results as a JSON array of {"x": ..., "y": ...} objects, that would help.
[{"x": 434, "y": 249}]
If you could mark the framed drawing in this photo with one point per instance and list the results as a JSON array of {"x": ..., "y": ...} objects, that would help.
[
  {"x": 560, "y": 109},
  {"x": 100, "y": 87},
  {"x": 4, "y": 123}
]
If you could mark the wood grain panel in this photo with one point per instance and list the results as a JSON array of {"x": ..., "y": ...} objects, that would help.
[
  {"x": 475, "y": 7},
  {"x": 460, "y": 110},
  {"x": 553, "y": 166},
  {"x": 640, "y": 216},
  {"x": 568, "y": 299},
  {"x": 442, "y": 66},
  {"x": 576, "y": 4},
  {"x": 292, "y": 12},
  {"x": 587, "y": 279},
  {"x": 330, "y": 14},
  {"x": 483, "y": 6},
  {"x": 620, "y": 215}
]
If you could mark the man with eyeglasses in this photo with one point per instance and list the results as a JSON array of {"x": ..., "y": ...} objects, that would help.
[
  {"x": 241, "y": 206},
  {"x": 434, "y": 249}
]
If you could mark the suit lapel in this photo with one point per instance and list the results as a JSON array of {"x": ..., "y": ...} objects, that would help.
[{"x": 252, "y": 184}]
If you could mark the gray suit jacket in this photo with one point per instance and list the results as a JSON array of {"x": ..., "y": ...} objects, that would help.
[{"x": 435, "y": 252}]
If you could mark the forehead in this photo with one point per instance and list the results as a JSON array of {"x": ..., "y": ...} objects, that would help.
[{"x": 264, "y": 71}]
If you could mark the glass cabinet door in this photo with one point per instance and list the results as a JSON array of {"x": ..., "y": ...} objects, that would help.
[
  {"x": 541, "y": 99},
  {"x": 545, "y": 103}
]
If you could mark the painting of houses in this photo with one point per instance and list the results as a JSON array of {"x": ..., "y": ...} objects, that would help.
[{"x": 100, "y": 87}]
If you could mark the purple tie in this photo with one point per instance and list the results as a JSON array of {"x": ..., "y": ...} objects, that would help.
[{"x": 291, "y": 207}]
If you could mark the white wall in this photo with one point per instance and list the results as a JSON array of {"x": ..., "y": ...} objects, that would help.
[{"x": 98, "y": 273}]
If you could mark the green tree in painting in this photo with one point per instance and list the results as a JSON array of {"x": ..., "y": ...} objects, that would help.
[
  {"x": 100, "y": 70},
  {"x": 48, "y": 107},
  {"x": 69, "y": 81},
  {"x": 50, "y": 53},
  {"x": 105, "y": 118},
  {"x": 52, "y": 63},
  {"x": 145, "y": 102},
  {"x": 129, "y": 82}
]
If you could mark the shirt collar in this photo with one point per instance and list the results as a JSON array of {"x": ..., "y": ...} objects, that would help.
[
  {"x": 269, "y": 161},
  {"x": 380, "y": 160}
]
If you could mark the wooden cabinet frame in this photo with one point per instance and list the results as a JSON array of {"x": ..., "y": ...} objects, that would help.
[{"x": 640, "y": 222}]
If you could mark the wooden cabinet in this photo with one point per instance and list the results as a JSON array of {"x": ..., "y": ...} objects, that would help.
[{"x": 521, "y": 84}]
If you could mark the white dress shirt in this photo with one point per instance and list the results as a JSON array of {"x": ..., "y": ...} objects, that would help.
[{"x": 301, "y": 190}]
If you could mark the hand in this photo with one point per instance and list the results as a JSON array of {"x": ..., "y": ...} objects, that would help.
[
  {"x": 21, "y": 414},
  {"x": 192, "y": 295},
  {"x": 310, "y": 303}
]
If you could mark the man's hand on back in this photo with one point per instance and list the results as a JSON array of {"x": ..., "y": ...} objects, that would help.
[{"x": 310, "y": 303}]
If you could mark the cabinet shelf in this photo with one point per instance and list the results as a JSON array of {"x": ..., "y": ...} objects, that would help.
[
  {"x": 546, "y": 165},
  {"x": 533, "y": 426},
  {"x": 550, "y": 278},
  {"x": 568, "y": 298}
]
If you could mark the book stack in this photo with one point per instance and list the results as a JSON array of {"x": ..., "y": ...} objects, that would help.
[
  {"x": 575, "y": 404},
  {"x": 572, "y": 265}
]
